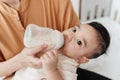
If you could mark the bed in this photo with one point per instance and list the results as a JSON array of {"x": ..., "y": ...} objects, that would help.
[{"x": 107, "y": 12}]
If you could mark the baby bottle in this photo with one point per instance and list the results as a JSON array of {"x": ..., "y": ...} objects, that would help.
[{"x": 36, "y": 35}]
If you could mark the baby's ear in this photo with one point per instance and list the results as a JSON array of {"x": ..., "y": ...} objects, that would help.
[{"x": 82, "y": 60}]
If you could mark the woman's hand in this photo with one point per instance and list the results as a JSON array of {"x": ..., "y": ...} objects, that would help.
[
  {"x": 49, "y": 61},
  {"x": 24, "y": 59},
  {"x": 27, "y": 57}
]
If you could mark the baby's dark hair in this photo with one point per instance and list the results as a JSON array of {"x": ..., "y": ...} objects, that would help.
[{"x": 103, "y": 39}]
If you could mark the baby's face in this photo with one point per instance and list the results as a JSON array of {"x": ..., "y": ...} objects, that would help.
[{"x": 79, "y": 41}]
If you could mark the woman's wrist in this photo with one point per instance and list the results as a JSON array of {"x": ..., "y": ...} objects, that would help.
[
  {"x": 15, "y": 63},
  {"x": 10, "y": 66}
]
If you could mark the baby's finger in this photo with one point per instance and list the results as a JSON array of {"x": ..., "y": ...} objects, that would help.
[
  {"x": 36, "y": 62},
  {"x": 46, "y": 56},
  {"x": 52, "y": 56},
  {"x": 54, "y": 53},
  {"x": 37, "y": 66}
]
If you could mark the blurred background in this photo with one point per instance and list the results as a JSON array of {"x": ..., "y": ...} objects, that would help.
[{"x": 92, "y": 9}]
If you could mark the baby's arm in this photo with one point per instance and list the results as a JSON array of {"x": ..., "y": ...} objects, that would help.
[{"x": 49, "y": 63}]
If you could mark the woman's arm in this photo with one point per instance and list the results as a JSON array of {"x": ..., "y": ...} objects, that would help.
[
  {"x": 8, "y": 67},
  {"x": 25, "y": 58}
]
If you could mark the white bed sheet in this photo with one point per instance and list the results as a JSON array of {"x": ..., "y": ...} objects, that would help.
[
  {"x": 1, "y": 78},
  {"x": 108, "y": 65}
]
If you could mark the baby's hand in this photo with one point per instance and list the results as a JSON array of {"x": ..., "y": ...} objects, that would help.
[{"x": 49, "y": 61}]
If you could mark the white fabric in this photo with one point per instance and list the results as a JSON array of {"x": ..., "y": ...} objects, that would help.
[
  {"x": 1, "y": 78},
  {"x": 36, "y": 35},
  {"x": 108, "y": 65},
  {"x": 66, "y": 66}
]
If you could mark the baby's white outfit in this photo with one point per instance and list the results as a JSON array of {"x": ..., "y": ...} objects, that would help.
[{"x": 66, "y": 66}]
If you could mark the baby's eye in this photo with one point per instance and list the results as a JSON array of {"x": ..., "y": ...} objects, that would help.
[
  {"x": 74, "y": 29},
  {"x": 79, "y": 42}
]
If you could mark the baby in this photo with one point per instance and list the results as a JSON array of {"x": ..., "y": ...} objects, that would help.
[{"x": 74, "y": 46}]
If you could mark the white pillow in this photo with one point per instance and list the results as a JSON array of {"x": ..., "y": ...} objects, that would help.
[{"x": 108, "y": 65}]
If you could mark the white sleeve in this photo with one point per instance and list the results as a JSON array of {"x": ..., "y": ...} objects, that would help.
[{"x": 67, "y": 67}]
